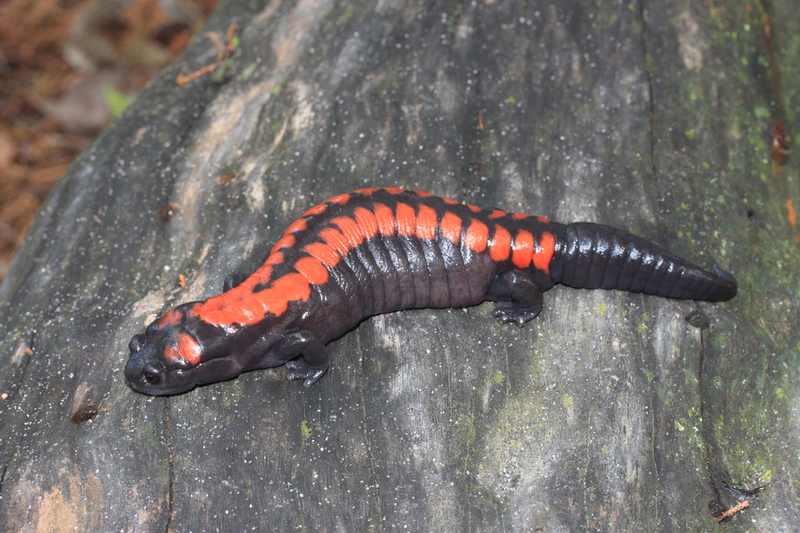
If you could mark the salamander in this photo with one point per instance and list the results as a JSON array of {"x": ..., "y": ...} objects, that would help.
[{"x": 376, "y": 251}]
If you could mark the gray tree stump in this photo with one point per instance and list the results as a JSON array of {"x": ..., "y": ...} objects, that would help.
[{"x": 610, "y": 412}]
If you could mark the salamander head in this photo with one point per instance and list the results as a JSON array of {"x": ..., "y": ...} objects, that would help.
[{"x": 176, "y": 353}]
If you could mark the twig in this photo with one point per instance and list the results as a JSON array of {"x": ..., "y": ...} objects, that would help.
[
  {"x": 223, "y": 51},
  {"x": 733, "y": 510}
]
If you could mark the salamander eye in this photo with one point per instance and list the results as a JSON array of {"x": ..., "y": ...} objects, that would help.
[
  {"x": 137, "y": 343},
  {"x": 153, "y": 372}
]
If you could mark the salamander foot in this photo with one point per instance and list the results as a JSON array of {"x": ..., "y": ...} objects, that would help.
[
  {"x": 506, "y": 312},
  {"x": 300, "y": 370}
]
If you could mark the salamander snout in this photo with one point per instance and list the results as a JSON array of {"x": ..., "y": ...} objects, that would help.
[{"x": 143, "y": 367}]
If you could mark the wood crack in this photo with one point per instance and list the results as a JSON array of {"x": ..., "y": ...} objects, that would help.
[
  {"x": 367, "y": 443},
  {"x": 168, "y": 437},
  {"x": 775, "y": 70},
  {"x": 5, "y": 469},
  {"x": 651, "y": 128},
  {"x": 25, "y": 353},
  {"x": 728, "y": 496},
  {"x": 472, "y": 165}
]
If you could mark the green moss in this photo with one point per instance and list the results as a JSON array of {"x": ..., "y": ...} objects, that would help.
[
  {"x": 249, "y": 70},
  {"x": 465, "y": 431},
  {"x": 233, "y": 393},
  {"x": 305, "y": 430},
  {"x": 567, "y": 401}
]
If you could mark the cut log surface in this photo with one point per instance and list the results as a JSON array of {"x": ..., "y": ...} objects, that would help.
[{"x": 609, "y": 412}]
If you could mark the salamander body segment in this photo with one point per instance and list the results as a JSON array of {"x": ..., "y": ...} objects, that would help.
[{"x": 381, "y": 250}]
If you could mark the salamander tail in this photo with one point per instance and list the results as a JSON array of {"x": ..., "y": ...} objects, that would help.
[{"x": 595, "y": 256}]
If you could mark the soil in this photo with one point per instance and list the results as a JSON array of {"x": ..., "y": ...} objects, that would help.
[{"x": 67, "y": 67}]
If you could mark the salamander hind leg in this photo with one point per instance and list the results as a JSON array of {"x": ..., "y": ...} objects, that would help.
[
  {"x": 518, "y": 299},
  {"x": 308, "y": 358}
]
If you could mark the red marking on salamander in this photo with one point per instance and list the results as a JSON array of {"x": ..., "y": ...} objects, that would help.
[
  {"x": 186, "y": 349},
  {"x": 501, "y": 244},
  {"x": 545, "y": 249},
  {"x": 477, "y": 237},
  {"x": 170, "y": 319},
  {"x": 451, "y": 226},
  {"x": 523, "y": 249}
]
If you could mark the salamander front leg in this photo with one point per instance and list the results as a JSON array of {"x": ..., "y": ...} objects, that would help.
[
  {"x": 308, "y": 358},
  {"x": 517, "y": 298},
  {"x": 232, "y": 281}
]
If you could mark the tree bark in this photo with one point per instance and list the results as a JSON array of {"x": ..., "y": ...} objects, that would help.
[{"x": 609, "y": 412}]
